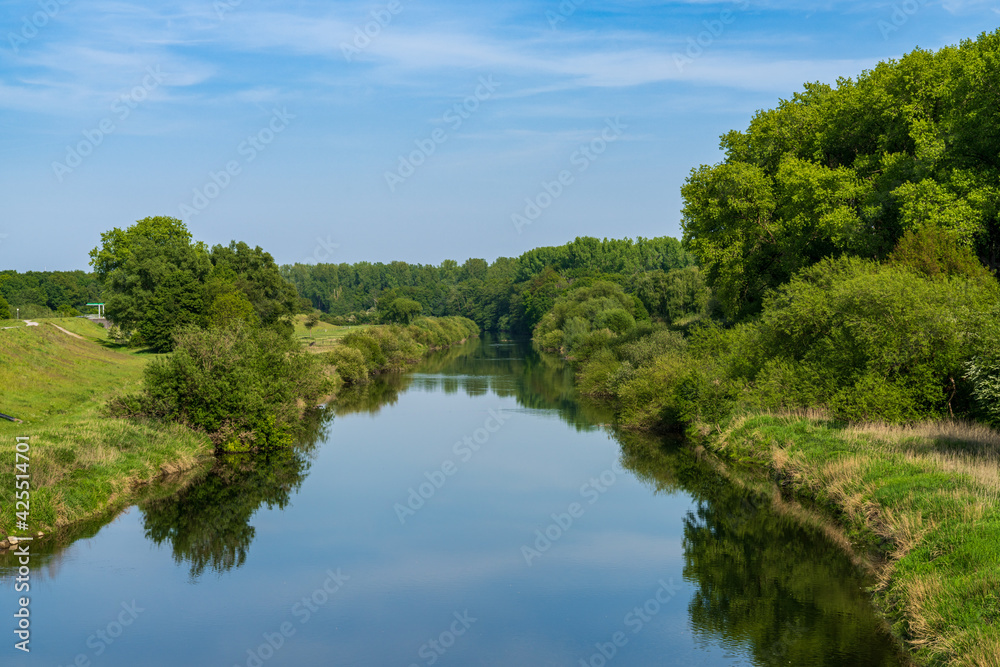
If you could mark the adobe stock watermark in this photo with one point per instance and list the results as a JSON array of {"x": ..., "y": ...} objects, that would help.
[
  {"x": 248, "y": 149},
  {"x": 455, "y": 116},
  {"x": 433, "y": 649},
  {"x": 365, "y": 34},
  {"x": 121, "y": 108},
  {"x": 714, "y": 29},
  {"x": 223, "y": 7},
  {"x": 464, "y": 449},
  {"x": 635, "y": 620},
  {"x": 323, "y": 251},
  {"x": 32, "y": 25},
  {"x": 303, "y": 611},
  {"x": 591, "y": 491},
  {"x": 103, "y": 638},
  {"x": 902, "y": 12},
  {"x": 581, "y": 159},
  {"x": 565, "y": 10}
]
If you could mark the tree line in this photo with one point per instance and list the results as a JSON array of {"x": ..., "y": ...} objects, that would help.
[
  {"x": 509, "y": 294},
  {"x": 849, "y": 243}
]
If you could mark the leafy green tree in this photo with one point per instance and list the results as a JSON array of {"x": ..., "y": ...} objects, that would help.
[
  {"x": 312, "y": 320},
  {"x": 849, "y": 170},
  {"x": 118, "y": 245},
  {"x": 938, "y": 252},
  {"x": 401, "y": 311},
  {"x": 153, "y": 274},
  {"x": 4, "y": 309},
  {"x": 232, "y": 307},
  {"x": 255, "y": 274}
]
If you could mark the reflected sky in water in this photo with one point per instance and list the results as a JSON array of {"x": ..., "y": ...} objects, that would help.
[{"x": 422, "y": 502}]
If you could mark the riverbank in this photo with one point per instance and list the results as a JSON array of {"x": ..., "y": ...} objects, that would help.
[
  {"x": 80, "y": 464},
  {"x": 919, "y": 506},
  {"x": 57, "y": 379}
]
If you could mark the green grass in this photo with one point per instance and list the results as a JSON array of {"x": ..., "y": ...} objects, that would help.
[
  {"x": 921, "y": 503},
  {"x": 81, "y": 464},
  {"x": 323, "y": 337}
]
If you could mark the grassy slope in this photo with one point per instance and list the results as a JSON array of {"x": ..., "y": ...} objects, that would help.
[
  {"x": 81, "y": 464},
  {"x": 323, "y": 337},
  {"x": 922, "y": 503}
]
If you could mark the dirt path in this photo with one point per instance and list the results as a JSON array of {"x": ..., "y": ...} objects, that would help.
[{"x": 68, "y": 333}]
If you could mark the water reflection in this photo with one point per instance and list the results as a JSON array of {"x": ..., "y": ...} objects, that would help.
[
  {"x": 765, "y": 582},
  {"x": 207, "y": 524},
  {"x": 764, "y": 587}
]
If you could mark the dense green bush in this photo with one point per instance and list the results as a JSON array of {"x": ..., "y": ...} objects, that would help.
[
  {"x": 349, "y": 362},
  {"x": 984, "y": 374},
  {"x": 392, "y": 348},
  {"x": 401, "y": 311},
  {"x": 673, "y": 295},
  {"x": 570, "y": 326},
  {"x": 868, "y": 341},
  {"x": 245, "y": 386},
  {"x": 891, "y": 343}
]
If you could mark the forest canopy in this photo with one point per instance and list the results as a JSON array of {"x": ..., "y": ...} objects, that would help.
[{"x": 849, "y": 169}]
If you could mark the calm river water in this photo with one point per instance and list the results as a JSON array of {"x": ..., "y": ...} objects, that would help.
[{"x": 474, "y": 512}]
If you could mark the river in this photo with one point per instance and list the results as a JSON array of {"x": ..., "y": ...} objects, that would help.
[{"x": 472, "y": 512}]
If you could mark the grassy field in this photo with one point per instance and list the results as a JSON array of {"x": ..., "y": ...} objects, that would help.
[
  {"x": 323, "y": 337},
  {"x": 920, "y": 505},
  {"x": 81, "y": 464}
]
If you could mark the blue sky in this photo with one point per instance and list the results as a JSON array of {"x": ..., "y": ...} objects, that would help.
[{"x": 285, "y": 125}]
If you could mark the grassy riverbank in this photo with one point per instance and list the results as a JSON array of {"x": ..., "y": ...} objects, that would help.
[
  {"x": 81, "y": 464},
  {"x": 84, "y": 464},
  {"x": 920, "y": 506}
]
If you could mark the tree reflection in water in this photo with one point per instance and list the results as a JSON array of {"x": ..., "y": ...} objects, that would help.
[
  {"x": 208, "y": 523},
  {"x": 764, "y": 582}
]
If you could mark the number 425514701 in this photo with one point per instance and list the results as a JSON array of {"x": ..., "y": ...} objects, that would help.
[{"x": 23, "y": 481}]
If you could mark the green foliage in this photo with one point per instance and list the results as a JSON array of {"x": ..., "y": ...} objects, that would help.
[
  {"x": 984, "y": 374},
  {"x": 254, "y": 273},
  {"x": 850, "y": 170},
  {"x": 5, "y": 312},
  {"x": 882, "y": 333},
  {"x": 583, "y": 312},
  {"x": 311, "y": 321},
  {"x": 229, "y": 308},
  {"x": 511, "y": 294},
  {"x": 393, "y": 348},
  {"x": 153, "y": 274},
  {"x": 349, "y": 363},
  {"x": 159, "y": 281},
  {"x": 48, "y": 291},
  {"x": 401, "y": 311},
  {"x": 936, "y": 252},
  {"x": 673, "y": 295},
  {"x": 870, "y": 342},
  {"x": 244, "y": 386}
]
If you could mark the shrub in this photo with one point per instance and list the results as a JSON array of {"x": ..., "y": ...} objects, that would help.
[
  {"x": 594, "y": 376},
  {"x": 648, "y": 399},
  {"x": 244, "y": 386},
  {"x": 349, "y": 362},
  {"x": 618, "y": 320},
  {"x": 984, "y": 374}
]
